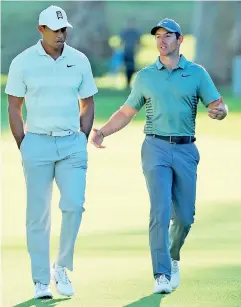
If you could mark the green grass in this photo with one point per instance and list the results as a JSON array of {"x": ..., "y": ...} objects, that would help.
[
  {"x": 112, "y": 260},
  {"x": 116, "y": 266},
  {"x": 113, "y": 269}
]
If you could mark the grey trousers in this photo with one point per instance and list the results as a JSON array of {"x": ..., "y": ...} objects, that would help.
[
  {"x": 170, "y": 171},
  {"x": 46, "y": 158}
]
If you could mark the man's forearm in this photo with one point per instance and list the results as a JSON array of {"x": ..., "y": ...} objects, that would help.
[
  {"x": 16, "y": 123},
  {"x": 87, "y": 112},
  {"x": 117, "y": 121}
]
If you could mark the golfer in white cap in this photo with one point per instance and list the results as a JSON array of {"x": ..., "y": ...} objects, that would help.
[{"x": 57, "y": 85}]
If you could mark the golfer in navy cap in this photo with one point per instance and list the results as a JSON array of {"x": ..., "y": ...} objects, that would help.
[{"x": 170, "y": 90}]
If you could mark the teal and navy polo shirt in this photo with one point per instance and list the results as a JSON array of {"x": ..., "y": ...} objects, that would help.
[{"x": 171, "y": 97}]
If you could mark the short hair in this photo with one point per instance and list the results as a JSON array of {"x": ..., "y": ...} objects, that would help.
[{"x": 177, "y": 35}]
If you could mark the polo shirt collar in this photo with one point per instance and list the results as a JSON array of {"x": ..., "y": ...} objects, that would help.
[
  {"x": 65, "y": 51},
  {"x": 41, "y": 50},
  {"x": 181, "y": 64},
  {"x": 159, "y": 64}
]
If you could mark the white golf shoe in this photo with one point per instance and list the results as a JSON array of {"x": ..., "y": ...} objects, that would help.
[
  {"x": 162, "y": 285},
  {"x": 42, "y": 291},
  {"x": 61, "y": 280},
  {"x": 175, "y": 276}
]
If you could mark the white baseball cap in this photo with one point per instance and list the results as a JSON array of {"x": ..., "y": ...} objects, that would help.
[{"x": 54, "y": 17}]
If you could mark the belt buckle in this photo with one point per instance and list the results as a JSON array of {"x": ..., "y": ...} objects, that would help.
[{"x": 170, "y": 140}]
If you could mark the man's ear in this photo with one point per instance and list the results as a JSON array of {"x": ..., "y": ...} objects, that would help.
[
  {"x": 181, "y": 37},
  {"x": 41, "y": 29},
  {"x": 180, "y": 40}
]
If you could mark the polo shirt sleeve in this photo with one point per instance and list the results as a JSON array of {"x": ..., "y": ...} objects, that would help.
[
  {"x": 15, "y": 82},
  {"x": 87, "y": 87},
  {"x": 207, "y": 91},
  {"x": 136, "y": 99}
]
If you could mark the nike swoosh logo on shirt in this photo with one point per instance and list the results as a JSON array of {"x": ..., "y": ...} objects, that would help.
[
  {"x": 184, "y": 76},
  {"x": 70, "y": 65}
]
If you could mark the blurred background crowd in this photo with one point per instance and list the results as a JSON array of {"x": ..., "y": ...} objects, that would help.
[{"x": 111, "y": 33}]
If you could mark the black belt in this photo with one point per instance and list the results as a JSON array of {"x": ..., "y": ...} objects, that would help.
[{"x": 172, "y": 139}]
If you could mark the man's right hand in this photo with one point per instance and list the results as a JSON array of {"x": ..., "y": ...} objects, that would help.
[
  {"x": 19, "y": 143},
  {"x": 16, "y": 118},
  {"x": 118, "y": 120},
  {"x": 97, "y": 138}
]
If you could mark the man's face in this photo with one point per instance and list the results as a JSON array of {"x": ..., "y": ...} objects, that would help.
[
  {"x": 55, "y": 39},
  {"x": 167, "y": 43}
]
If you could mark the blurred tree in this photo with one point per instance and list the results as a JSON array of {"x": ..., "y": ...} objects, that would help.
[
  {"x": 90, "y": 33},
  {"x": 235, "y": 44},
  {"x": 19, "y": 24},
  {"x": 236, "y": 31},
  {"x": 213, "y": 26}
]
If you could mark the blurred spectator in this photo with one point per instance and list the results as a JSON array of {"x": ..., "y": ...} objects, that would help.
[
  {"x": 116, "y": 64},
  {"x": 130, "y": 37},
  {"x": 116, "y": 60}
]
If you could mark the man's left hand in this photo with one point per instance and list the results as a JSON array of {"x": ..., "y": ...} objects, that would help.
[{"x": 218, "y": 112}]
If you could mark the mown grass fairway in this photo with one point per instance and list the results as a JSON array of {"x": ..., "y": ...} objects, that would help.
[{"x": 112, "y": 261}]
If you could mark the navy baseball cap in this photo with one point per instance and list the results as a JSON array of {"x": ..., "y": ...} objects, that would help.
[{"x": 168, "y": 24}]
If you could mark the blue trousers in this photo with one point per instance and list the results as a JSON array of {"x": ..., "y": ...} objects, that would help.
[
  {"x": 170, "y": 171},
  {"x": 46, "y": 158}
]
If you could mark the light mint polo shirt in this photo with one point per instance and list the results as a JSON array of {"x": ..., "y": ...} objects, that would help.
[
  {"x": 51, "y": 88},
  {"x": 171, "y": 97}
]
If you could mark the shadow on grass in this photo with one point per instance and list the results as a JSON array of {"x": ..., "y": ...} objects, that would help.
[
  {"x": 153, "y": 300},
  {"x": 42, "y": 303}
]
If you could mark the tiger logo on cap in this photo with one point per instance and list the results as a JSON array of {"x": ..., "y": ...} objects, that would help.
[{"x": 59, "y": 15}]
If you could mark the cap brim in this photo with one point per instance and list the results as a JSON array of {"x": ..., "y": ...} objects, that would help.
[
  {"x": 153, "y": 31},
  {"x": 60, "y": 26}
]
